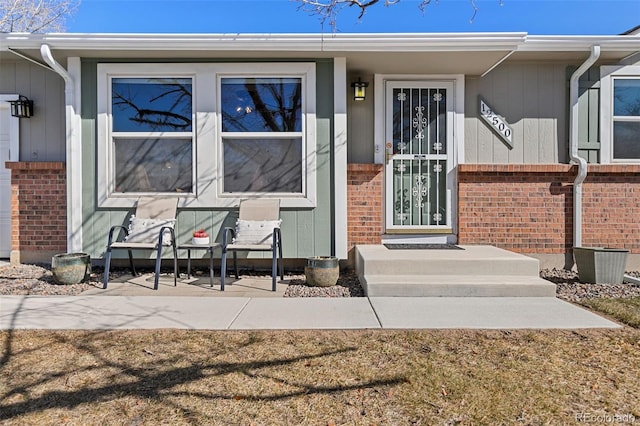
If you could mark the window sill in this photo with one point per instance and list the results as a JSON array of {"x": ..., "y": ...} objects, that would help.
[{"x": 190, "y": 201}]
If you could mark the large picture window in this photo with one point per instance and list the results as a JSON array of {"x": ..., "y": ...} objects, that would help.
[
  {"x": 152, "y": 134},
  {"x": 621, "y": 113},
  {"x": 208, "y": 133},
  {"x": 262, "y": 135}
]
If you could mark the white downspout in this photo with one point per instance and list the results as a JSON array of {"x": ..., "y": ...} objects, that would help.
[
  {"x": 573, "y": 145},
  {"x": 73, "y": 150}
]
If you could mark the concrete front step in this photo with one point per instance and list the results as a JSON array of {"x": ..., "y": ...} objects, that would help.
[
  {"x": 472, "y": 260},
  {"x": 474, "y": 271},
  {"x": 456, "y": 286}
]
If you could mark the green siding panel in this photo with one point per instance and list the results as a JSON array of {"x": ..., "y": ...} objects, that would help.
[
  {"x": 588, "y": 114},
  {"x": 305, "y": 232},
  {"x": 531, "y": 97}
]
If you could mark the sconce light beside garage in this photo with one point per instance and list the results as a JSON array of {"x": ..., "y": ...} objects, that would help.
[
  {"x": 22, "y": 107},
  {"x": 359, "y": 89}
]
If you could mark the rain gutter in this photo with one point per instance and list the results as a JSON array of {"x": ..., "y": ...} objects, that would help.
[
  {"x": 26, "y": 58},
  {"x": 73, "y": 149},
  {"x": 573, "y": 145}
]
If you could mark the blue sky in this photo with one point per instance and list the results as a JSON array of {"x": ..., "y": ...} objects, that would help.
[{"x": 598, "y": 17}]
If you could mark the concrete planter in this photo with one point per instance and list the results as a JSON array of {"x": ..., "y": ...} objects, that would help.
[
  {"x": 600, "y": 265},
  {"x": 71, "y": 268},
  {"x": 322, "y": 271}
]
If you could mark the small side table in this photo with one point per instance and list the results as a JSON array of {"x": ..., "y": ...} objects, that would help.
[{"x": 209, "y": 247}]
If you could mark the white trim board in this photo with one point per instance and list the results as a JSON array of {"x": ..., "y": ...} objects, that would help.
[
  {"x": 13, "y": 133},
  {"x": 458, "y": 80}
]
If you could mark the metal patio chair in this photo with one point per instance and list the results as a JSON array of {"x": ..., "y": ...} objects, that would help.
[
  {"x": 257, "y": 229},
  {"x": 150, "y": 228}
]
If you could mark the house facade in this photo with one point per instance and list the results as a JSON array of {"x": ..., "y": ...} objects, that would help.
[{"x": 528, "y": 143}]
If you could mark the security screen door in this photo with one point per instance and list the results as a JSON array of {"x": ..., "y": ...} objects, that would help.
[{"x": 419, "y": 132}]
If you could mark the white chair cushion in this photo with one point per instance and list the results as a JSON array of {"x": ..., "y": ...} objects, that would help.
[
  {"x": 143, "y": 230},
  {"x": 255, "y": 232}
]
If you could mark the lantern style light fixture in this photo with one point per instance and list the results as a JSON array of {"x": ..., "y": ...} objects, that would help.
[
  {"x": 359, "y": 89},
  {"x": 21, "y": 107}
]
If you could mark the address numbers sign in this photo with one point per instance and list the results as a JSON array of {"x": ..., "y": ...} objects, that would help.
[{"x": 497, "y": 123}]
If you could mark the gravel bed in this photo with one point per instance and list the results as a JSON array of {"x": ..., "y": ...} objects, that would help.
[
  {"x": 348, "y": 285},
  {"x": 28, "y": 279},
  {"x": 571, "y": 289},
  {"x": 37, "y": 279}
]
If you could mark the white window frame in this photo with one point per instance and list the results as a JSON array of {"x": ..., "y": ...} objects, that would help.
[
  {"x": 607, "y": 76},
  {"x": 207, "y": 142}
]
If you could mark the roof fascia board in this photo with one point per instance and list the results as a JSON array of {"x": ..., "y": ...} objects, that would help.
[
  {"x": 579, "y": 43},
  {"x": 272, "y": 42},
  {"x": 398, "y": 42}
]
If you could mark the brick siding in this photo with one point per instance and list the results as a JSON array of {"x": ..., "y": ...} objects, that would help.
[
  {"x": 38, "y": 210},
  {"x": 529, "y": 208},
  {"x": 523, "y": 208},
  {"x": 365, "y": 206}
]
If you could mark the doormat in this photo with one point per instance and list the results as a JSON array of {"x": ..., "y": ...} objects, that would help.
[{"x": 423, "y": 247}]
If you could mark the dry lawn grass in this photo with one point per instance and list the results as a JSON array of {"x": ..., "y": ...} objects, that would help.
[
  {"x": 624, "y": 310},
  {"x": 317, "y": 377}
]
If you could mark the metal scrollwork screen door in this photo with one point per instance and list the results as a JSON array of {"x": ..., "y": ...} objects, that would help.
[{"x": 418, "y": 134}]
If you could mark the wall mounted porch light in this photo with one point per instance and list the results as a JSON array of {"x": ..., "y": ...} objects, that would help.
[
  {"x": 21, "y": 107},
  {"x": 359, "y": 89}
]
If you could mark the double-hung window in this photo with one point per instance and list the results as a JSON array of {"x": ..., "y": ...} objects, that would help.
[
  {"x": 209, "y": 133},
  {"x": 621, "y": 113},
  {"x": 262, "y": 135},
  {"x": 152, "y": 134}
]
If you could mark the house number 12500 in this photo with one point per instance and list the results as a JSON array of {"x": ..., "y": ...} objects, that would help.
[{"x": 497, "y": 123}]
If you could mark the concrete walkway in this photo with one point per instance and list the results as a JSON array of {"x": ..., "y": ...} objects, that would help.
[
  {"x": 249, "y": 304},
  {"x": 243, "y": 313}
]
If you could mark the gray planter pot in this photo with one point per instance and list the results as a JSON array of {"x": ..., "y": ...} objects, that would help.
[
  {"x": 322, "y": 271},
  {"x": 71, "y": 268},
  {"x": 600, "y": 265}
]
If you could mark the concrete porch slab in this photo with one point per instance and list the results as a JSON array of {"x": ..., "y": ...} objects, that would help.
[{"x": 142, "y": 285}]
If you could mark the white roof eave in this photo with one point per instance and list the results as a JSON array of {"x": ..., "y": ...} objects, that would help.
[
  {"x": 580, "y": 43},
  {"x": 270, "y": 42},
  {"x": 327, "y": 43}
]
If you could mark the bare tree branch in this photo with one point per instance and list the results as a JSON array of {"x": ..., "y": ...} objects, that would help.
[
  {"x": 328, "y": 10},
  {"x": 35, "y": 16}
]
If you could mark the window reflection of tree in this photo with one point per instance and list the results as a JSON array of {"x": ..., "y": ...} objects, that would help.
[
  {"x": 627, "y": 100},
  {"x": 174, "y": 100},
  {"x": 275, "y": 105}
]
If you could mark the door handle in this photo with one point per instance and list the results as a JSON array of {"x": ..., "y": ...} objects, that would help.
[{"x": 388, "y": 151}]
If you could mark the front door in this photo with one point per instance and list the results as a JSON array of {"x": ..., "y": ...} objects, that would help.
[
  {"x": 419, "y": 134},
  {"x": 8, "y": 152}
]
